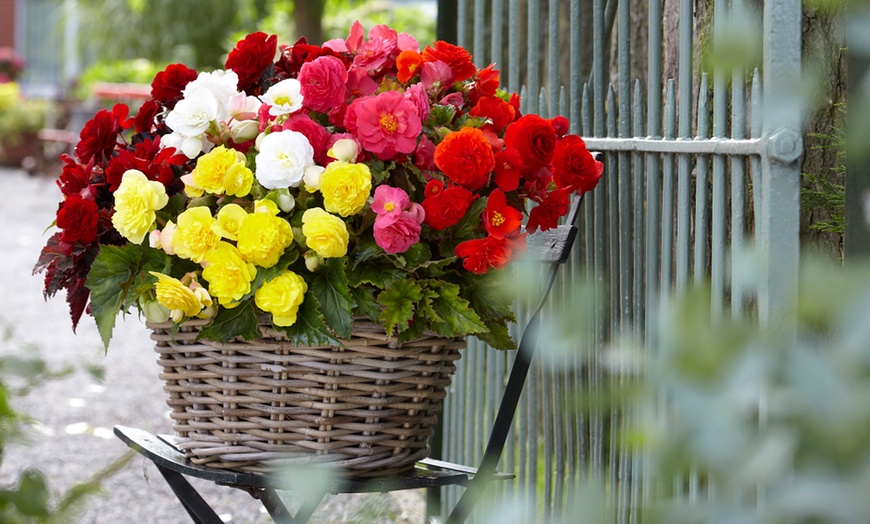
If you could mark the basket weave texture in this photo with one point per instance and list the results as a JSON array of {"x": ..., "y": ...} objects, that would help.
[{"x": 258, "y": 405}]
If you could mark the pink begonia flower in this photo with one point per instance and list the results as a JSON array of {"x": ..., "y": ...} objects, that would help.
[
  {"x": 417, "y": 94},
  {"x": 396, "y": 232},
  {"x": 317, "y": 135},
  {"x": 323, "y": 83},
  {"x": 436, "y": 72},
  {"x": 417, "y": 212},
  {"x": 339, "y": 45},
  {"x": 453, "y": 99},
  {"x": 355, "y": 38},
  {"x": 374, "y": 54},
  {"x": 424, "y": 155},
  {"x": 406, "y": 42},
  {"x": 359, "y": 83},
  {"x": 390, "y": 200},
  {"x": 385, "y": 124}
]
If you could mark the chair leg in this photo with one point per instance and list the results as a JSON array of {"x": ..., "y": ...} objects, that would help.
[
  {"x": 196, "y": 507},
  {"x": 279, "y": 513}
]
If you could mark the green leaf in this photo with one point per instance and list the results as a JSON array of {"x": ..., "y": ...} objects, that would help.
[
  {"x": 458, "y": 317},
  {"x": 310, "y": 327},
  {"x": 467, "y": 228},
  {"x": 366, "y": 250},
  {"x": 399, "y": 305},
  {"x": 113, "y": 281},
  {"x": 490, "y": 295},
  {"x": 366, "y": 304},
  {"x": 498, "y": 336},
  {"x": 240, "y": 321},
  {"x": 440, "y": 115},
  {"x": 417, "y": 255},
  {"x": 380, "y": 275},
  {"x": 330, "y": 287}
]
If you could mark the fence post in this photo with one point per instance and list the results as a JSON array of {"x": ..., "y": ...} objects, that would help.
[
  {"x": 857, "y": 236},
  {"x": 780, "y": 193}
]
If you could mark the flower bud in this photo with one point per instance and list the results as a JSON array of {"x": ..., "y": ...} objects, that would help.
[
  {"x": 312, "y": 260},
  {"x": 154, "y": 311},
  {"x": 285, "y": 200},
  {"x": 244, "y": 130},
  {"x": 208, "y": 312}
]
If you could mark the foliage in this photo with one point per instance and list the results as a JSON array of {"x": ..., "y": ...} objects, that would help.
[
  {"x": 19, "y": 115},
  {"x": 138, "y": 71},
  {"x": 820, "y": 192},
  {"x": 28, "y": 498}
]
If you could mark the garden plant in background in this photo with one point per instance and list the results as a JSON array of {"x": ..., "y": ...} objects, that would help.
[{"x": 365, "y": 177}]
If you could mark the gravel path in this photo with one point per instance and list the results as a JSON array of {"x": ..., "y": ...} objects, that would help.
[{"x": 72, "y": 436}]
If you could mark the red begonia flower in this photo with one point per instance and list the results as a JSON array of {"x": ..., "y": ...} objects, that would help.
[
  {"x": 466, "y": 157},
  {"x": 546, "y": 215},
  {"x": 497, "y": 110},
  {"x": 100, "y": 135},
  {"x": 573, "y": 165},
  {"x": 77, "y": 218},
  {"x": 482, "y": 254},
  {"x": 499, "y": 217},
  {"x": 445, "y": 207},
  {"x": 534, "y": 138},
  {"x": 251, "y": 57},
  {"x": 508, "y": 169},
  {"x": 167, "y": 86}
]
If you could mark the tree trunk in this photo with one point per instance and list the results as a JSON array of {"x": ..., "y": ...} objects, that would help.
[{"x": 308, "y": 16}]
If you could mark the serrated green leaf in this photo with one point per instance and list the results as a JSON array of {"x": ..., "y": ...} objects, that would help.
[
  {"x": 498, "y": 336},
  {"x": 399, "y": 304},
  {"x": 240, "y": 321},
  {"x": 366, "y": 250},
  {"x": 380, "y": 275},
  {"x": 417, "y": 255},
  {"x": 310, "y": 327},
  {"x": 366, "y": 304},
  {"x": 489, "y": 295},
  {"x": 113, "y": 281},
  {"x": 459, "y": 319},
  {"x": 330, "y": 287}
]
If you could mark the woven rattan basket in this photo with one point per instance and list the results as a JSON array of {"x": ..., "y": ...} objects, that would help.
[{"x": 367, "y": 407}]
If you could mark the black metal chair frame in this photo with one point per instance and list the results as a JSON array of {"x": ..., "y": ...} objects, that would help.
[{"x": 552, "y": 247}]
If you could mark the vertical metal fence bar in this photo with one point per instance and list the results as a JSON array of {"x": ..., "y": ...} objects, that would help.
[
  {"x": 514, "y": 45},
  {"x": 719, "y": 131},
  {"x": 576, "y": 82},
  {"x": 738, "y": 182},
  {"x": 496, "y": 39},
  {"x": 624, "y": 166},
  {"x": 479, "y": 35},
  {"x": 653, "y": 162},
  {"x": 462, "y": 24},
  {"x": 701, "y": 192},
  {"x": 668, "y": 194},
  {"x": 614, "y": 272},
  {"x": 685, "y": 133},
  {"x": 638, "y": 180},
  {"x": 533, "y": 47},
  {"x": 553, "y": 58},
  {"x": 755, "y": 110}
]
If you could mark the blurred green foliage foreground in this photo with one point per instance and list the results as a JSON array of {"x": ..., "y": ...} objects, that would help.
[{"x": 28, "y": 498}]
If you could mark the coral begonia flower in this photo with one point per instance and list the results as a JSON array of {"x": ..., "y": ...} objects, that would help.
[
  {"x": 508, "y": 169},
  {"x": 481, "y": 254},
  {"x": 408, "y": 63},
  {"x": 500, "y": 218}
]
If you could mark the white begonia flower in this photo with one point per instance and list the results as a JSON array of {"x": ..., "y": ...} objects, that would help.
[
  {"x": 311, "y": 177},
  {"x": 344, "y": 149},
  {"x": 223, "y": 85},
  {"x": 191, "y": 146},
  {"x": 193, "y": 114},
  {"x": 283, "y": 158},
  {"x": 284, "y": 98}
]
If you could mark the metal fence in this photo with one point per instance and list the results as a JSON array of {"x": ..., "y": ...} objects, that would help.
[{"x": 699, "y": 169}]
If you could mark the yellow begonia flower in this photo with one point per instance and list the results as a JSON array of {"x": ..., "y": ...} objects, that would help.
[
  {"x": 178, "y": 298},
  {"x": 229, "y": 277},
  {"x": 345, "y": 187},
  {"x": 267, "y": 206},
  {"x": 193, "y": 237},
  {"x": 282, "y": 297},
  {"x": 223, "y": 170},
  {"x": 228, "y": 221},
  {"x": 263, "y": 237},
  {"x": 324, "y": 233},
  {"x": 136, "y": 201}
]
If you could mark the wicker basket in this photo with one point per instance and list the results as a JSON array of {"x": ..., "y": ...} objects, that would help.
[{"x": 367, "y": 407}]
